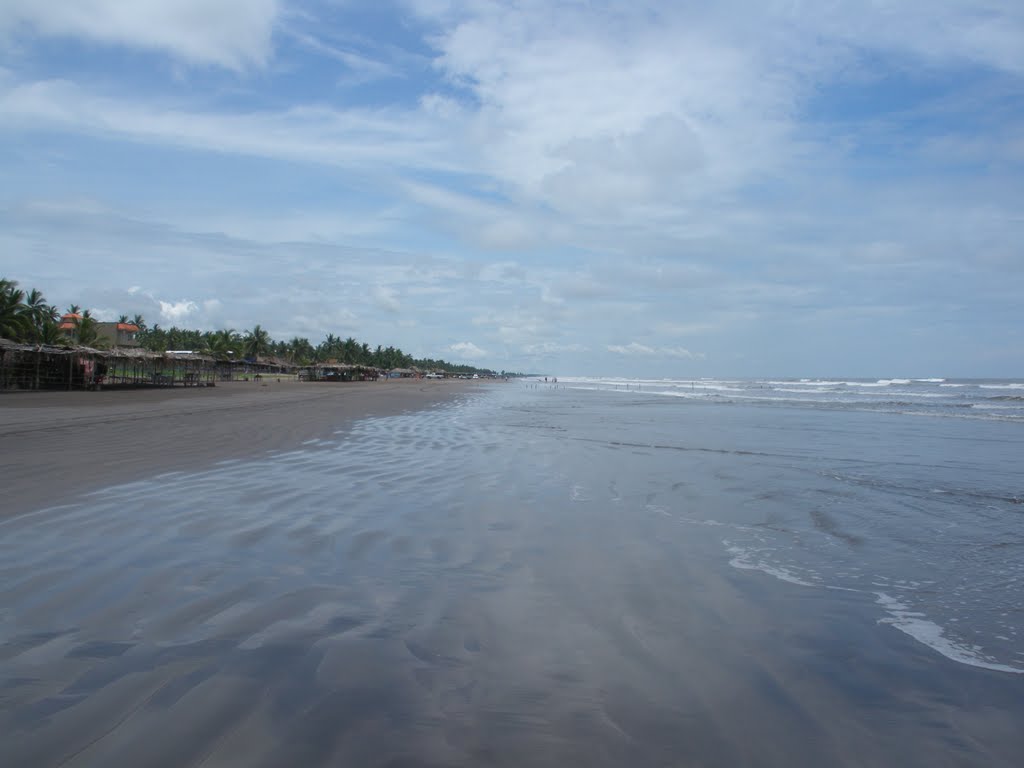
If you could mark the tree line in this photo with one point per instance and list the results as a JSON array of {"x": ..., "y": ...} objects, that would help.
[{"x": 26, "y": 317}]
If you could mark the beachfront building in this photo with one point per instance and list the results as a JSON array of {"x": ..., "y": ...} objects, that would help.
[
  {"x": 69, "y": 323},
  {"x": 107, "y": 334},
  {"x": 118, "y": 334}
]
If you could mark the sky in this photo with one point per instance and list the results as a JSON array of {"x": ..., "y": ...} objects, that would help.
[{"x": 780, "y": 188}]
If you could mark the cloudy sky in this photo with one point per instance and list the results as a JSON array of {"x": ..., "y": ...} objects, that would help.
[{"x": 585, "y": 187}]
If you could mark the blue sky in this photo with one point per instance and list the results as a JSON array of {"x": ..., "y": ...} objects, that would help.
[{"x": 589, "y": 188}]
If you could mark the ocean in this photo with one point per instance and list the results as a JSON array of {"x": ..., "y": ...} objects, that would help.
[
  {"x": 598, "y": 571},
  {"x": 910, "y": 490}
]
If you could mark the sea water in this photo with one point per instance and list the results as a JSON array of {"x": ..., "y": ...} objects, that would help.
[
  {"x": 535, "y": 572},
  {"x": 910, "y": 490}
]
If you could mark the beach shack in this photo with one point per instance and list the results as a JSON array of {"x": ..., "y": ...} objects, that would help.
[
  {"x": 338, "y": 372},
  {"x": 29, "y": 367},
  {"x": 32, "y": 367},
  {"x": 404, "y": 373}
]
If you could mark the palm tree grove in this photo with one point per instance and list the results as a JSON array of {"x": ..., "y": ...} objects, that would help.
[{"x": 27, "y": 318}]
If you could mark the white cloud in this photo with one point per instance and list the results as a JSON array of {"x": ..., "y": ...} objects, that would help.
[
  {"x": 643, "y": 171},
  {"x": 386, "y": 299},
  {"x": 680, "y": 352},
  {"x": 341, "y": 322},
  {"x": 177, "y": 311},
  {"x": 228, "y": 33},
  {"x": 467, "y": 350},
  {"x": 585, "y": 124},
  {"x": 360, "y": 68},
  {"x": 641, "y": 350},
  {"x": 659, "y": 113},
  {"x": 683, "y": 329},
  {"x": 633, "y": 348},
  {"x": 588, "y": 110},
  {"x": 530, "y": 323},
  {"x": 354, "y": 138},
  {"x": 552, "y": 348}
]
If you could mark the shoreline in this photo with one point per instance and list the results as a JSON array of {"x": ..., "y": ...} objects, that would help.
[
  {"x": 460, "y": 583},
  {"x": 56, "y": 445}
]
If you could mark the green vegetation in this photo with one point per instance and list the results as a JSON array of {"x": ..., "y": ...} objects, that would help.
[
  {"x": 27, "y": 318},
  {"x": 228, "y": 343},
  {"x": 85, "y": 333}
]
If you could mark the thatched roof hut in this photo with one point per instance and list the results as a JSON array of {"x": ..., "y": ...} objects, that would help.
[
  {"x": 37, "y": 367},
  {"x": 333, "y": 371}
]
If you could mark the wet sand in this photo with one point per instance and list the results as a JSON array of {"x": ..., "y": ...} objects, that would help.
[
  {"x": 462, "y": 585},
  {"x": 56, "y": 445}
]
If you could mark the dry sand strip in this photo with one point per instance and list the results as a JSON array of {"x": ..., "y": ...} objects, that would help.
[{"x": 56, "y": 445}]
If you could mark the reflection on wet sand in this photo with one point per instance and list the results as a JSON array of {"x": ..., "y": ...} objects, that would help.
[{"x": 430, "y": 589}]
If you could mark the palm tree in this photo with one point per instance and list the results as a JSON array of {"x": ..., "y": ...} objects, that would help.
[
  {"x": 223, "y": 343},
  {"x": 139, "y": 322},
  {"x": 349, "y": 350},
  {"x": 50, "y": 334},
  {"x": 40, "y": 316},
  {"x": 299, "y": 350},
  {"x": 153, "y": 339},
  {"x": 40, "y": 321},
  {"x": 13, "y": 320},
  {"x": 256, "y": 342},
  {"x": 330, "y": 346},
  {"x": 74, "y": 309},
  {"x": 176, "y": 338},
  {"x": 86, "y": 333}
]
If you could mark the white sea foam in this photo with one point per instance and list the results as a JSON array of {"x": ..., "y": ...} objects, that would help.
[
  {"x": 746, "y": 559},
  {"x": 878, "y": 383},
  {"x": 681, "y": 393},
  {"x": 901, "y": 617},
  {"x": 578, "y": 493},
  {"x": 903, "y": 393},
  {"x": 931, "y": 634},
  {"x": 892, "y": 395},
  {"x": 804, "y": 391}
]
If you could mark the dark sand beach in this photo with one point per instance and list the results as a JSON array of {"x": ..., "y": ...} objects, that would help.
[
  {"x": 476, "y": 575},
  {"x": 55, "y": 445}
]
